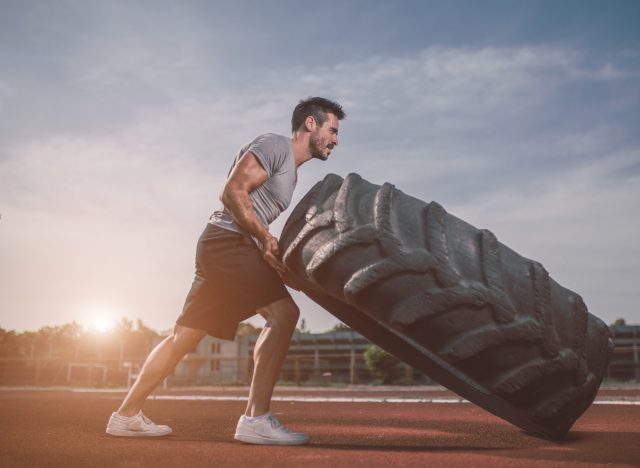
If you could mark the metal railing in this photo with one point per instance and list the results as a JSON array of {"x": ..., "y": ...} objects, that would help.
[
  {"x": 299, "y": 369},
  {"x": 194, "y": 370}
]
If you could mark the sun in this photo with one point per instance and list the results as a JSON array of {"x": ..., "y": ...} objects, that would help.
[
  {"x": 101, "y": 324},
  {"x": 100, "y": 319}
]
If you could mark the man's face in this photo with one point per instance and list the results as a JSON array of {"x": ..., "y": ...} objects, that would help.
[{"x": 324, "y": 137}]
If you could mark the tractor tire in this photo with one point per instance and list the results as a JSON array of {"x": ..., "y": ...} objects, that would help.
[{"x": 449, "y": 300}]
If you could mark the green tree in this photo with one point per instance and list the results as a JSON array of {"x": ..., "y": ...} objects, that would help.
[
  {"x": 340, "y": 327},
  {"x": 9, "y": 343},
  {"x": 380, "y": 363},
  {"x": 303, "y": 327},
  {"x": 246, "y": 328}
]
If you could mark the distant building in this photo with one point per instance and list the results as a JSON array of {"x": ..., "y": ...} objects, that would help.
[
  {"x": 335, "y": 356},
  {"x": 316, "y": 358},
  {"x": 625, "y": 362},
  {"x": 338, "y": 357},
  {"x": 216, "y": 361}
]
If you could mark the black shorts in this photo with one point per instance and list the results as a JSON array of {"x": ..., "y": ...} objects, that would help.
[{"x": 231, "y": 283}]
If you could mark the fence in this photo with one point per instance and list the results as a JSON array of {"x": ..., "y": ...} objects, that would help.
[
  {"x": 48, "y": 372},
  {"x": 305, "y": 365},
  {"x": 625, "y": 362},
  {"x": 298, "y": 369}
]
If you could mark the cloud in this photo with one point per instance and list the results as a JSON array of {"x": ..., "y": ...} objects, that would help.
[
  {"x": 580, "y": 224},
  {"x": 6, "y": 91},
  {"x": 496, "y": 135}
]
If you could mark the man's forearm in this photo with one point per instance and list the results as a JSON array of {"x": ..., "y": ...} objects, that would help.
[{"x": 239, "y": 204}]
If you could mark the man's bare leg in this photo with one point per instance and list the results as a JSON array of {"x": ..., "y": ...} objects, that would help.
[
  {"x": 269, "y": 353},
  {"x": 159, "y": 364}
]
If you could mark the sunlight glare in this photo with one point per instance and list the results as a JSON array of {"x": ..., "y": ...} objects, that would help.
[{"x": 100, "y": 319}]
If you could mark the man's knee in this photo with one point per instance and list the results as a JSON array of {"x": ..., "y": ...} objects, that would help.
[
  {"x": 186, "y": 340},
  {"x": 284, "y": 312}
]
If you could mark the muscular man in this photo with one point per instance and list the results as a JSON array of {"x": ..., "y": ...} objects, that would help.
[{"x": 239, "y": 274}]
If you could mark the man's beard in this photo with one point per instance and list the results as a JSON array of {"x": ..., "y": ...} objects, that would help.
[{"x": 316, "y": 151}]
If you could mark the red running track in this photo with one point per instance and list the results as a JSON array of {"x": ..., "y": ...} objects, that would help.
[{"x": 66, "y": 428}]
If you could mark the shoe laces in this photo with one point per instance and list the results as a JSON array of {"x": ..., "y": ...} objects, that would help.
[
  {"x": 275, "y": 424},
  {"x": 146, "y": 420}
]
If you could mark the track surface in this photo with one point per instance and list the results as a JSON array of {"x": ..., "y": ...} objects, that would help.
[{"x": 66, "y": 428}]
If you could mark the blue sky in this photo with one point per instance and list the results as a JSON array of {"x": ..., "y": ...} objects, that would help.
[{"x": 119, "y": 121}]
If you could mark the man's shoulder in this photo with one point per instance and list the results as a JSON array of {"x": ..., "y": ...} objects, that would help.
[
  {"x": 270, "y": 145},
  {"x": 272, "y": 138}
]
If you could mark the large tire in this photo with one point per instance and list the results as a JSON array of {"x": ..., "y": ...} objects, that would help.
[{"x": 450, "y": 300}]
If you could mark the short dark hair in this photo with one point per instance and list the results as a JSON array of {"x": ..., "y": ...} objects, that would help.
[{"x": 316, "y": 107}]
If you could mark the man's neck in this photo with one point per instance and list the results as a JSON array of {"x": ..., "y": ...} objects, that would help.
[{"x": 300, "y": 142}]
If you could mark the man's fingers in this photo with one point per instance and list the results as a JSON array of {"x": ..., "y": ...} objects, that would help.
[
  {"x": 271, "y": 252},
  {"x": 274, "y": 248},
  {"x": 270, "y": 245},
  {"x": 289, "y": 280},
  {"x": 274, "y": 262}
]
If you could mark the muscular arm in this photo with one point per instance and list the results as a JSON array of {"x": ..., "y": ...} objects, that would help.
[{"x": 247, "y": 175}]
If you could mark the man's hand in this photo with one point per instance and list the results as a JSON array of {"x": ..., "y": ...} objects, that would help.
[
  {"x": 290, "y": 280},
  {"x": 271, "y": 253}
]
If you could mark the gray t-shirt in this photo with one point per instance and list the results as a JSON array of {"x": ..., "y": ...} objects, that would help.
[{"x": 275, "y": 154}]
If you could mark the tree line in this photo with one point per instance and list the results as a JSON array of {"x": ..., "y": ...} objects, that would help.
[{"x": 72, "y": 340}]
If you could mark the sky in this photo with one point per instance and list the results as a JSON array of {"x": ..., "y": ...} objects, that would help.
[{"x": 119, "y": 121}]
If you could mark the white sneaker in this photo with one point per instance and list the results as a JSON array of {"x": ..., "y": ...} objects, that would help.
[
  {"x": 135, "y": 426},
  {"x": 267, "y": 431}
]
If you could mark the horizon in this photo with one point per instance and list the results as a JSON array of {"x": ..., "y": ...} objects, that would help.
[{"x": 103, "y": 328}]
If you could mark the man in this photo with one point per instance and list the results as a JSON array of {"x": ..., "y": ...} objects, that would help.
[{"x": 239, "y": 274}]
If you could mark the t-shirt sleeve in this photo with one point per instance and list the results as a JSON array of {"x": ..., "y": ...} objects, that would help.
[{"x": 271, "y": 151}]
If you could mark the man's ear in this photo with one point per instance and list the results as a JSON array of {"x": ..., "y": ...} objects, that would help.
[{"x": 309, "y": 123}]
